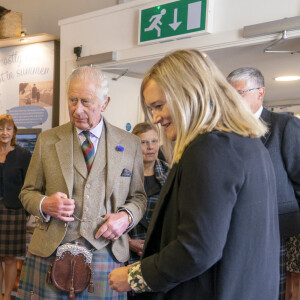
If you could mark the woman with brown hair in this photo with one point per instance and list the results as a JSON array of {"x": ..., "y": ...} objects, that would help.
[{"x": 14, "y": 161}]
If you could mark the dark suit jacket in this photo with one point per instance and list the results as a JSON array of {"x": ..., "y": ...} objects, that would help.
[
  {"x": 214, "y": 232},
  {"x": 283, "y": 144}
]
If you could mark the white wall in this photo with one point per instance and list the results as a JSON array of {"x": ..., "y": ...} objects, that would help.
[
  {"x": 124, "y": 101},
  {"x": 41, "y": 16},
  {"x": 116, "y": 29}
]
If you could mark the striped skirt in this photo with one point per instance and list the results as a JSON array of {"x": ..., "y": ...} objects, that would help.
[{"x": 33, "y": 283}]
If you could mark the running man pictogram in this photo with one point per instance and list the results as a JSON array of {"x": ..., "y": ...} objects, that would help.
[{"x": 156, "y": 22}]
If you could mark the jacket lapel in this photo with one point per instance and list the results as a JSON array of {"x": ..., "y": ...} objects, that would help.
[
  {"x": 64, "y": 150},
  {"x": 114, "y": 158},
  {"x": 162, "y": 201}
]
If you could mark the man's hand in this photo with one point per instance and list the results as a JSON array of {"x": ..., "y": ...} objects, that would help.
[
  {"x": 136, "y": 246},
  {"x": 59, "y": 206},
  {"x": 114, "y": 226},
  {"x": 118, "y": 280}
]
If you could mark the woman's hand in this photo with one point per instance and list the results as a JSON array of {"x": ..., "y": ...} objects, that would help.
[{"x": 118, "y": 280}]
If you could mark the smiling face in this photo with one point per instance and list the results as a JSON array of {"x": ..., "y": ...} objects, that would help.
[
  {"x": 155, "y": 100},
  {"x": 6, "y": 133},
  {"x": 85, "y": 108}
]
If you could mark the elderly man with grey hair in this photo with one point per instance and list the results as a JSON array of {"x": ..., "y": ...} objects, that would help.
[
  {"x": 283, "y": 143},
  {"x": 84, "y": 186}
]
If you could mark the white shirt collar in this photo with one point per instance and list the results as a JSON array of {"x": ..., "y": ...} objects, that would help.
[
  {"x": 258, "y": 113},
  {"x": 96, "y": 131}
]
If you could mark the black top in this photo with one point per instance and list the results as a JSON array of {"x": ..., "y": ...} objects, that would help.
[
  {"x": 1, "y": 179},
  {"x": 151, "y": 185},
  {"x": 13, "y": 174}
]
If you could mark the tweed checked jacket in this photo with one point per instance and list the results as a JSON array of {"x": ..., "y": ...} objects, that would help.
[{"x": 52, "y": 170}]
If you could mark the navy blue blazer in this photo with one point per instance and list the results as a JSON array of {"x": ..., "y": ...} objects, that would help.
[
  {"x": 283, "y": 144},
  {"x": 214, "y": 233}
]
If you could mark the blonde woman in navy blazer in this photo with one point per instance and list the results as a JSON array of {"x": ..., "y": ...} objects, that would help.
[{"x": 214, "y": 232}]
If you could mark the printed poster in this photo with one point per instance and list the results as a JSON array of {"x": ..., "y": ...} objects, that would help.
[{"x": 26, "y": 84}]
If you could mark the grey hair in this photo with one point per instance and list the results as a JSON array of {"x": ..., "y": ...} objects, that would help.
[
  {"x": 95, "y": 75},
  {"x": 250, "y": 74}
]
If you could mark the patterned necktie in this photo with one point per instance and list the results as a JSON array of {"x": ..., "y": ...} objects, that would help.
[{"x": 88, "y": 150}]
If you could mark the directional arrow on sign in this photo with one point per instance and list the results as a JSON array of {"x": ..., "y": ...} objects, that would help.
[{"x": 175, "y": 24}]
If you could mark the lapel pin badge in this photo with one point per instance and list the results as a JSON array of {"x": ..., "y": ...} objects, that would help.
[{"x": 120, "y": 148}]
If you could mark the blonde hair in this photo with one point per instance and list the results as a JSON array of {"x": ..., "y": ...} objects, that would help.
[{"x": 199, "y": 98}]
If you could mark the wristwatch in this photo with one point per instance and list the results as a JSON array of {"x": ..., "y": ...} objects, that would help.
[{"x": 130, "y": 217}]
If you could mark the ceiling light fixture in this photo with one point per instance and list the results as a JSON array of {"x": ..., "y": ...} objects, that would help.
[{"x": 287, "y": 78}]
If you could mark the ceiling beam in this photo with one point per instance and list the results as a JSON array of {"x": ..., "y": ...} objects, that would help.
[{"x": 271, "y": 27}]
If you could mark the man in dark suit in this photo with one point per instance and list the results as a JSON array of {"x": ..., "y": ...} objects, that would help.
[
  {"x": 88, "y": 195},
  {"x": 283, "y": 143}
]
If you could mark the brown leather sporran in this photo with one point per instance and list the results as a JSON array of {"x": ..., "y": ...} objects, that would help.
[{"x": 71, "y": 270}]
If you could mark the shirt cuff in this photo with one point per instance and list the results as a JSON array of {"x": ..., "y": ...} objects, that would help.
[
  {"x": 136, "y": 280},
  {"x": 46, "y": 217},
  {"x": 131, "y": 216}
]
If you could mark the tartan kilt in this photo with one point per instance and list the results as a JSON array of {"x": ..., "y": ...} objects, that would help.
[
  {"x": 33, "y": 283},
  {"x": 12, "y": 231}
]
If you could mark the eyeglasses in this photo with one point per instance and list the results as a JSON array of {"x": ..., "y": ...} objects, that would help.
[
  {"x": 146, "y": 142},
  {"x": 242, "y": 92}
]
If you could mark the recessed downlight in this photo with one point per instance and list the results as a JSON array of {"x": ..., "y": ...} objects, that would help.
[{"x": 287, "y": 78}]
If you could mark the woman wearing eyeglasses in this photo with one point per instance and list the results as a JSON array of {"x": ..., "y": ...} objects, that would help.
[{"x": 155, "y": 175}]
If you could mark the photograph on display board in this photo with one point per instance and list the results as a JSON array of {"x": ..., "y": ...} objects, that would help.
[
  {"x": 27, "y": 138},
  {"x": 36, "y": 93}
]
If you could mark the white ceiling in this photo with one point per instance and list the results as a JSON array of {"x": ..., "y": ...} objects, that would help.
[{"x": 270, "y": 64}]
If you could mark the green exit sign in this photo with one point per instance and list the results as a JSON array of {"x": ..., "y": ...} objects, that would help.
[{"x": 174, "y": 20}]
